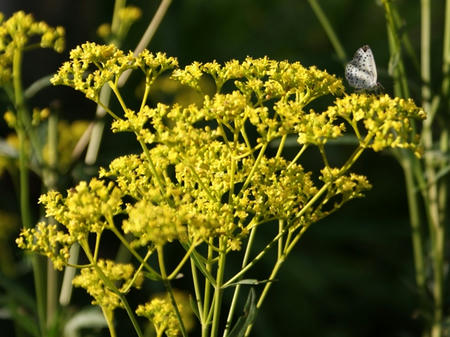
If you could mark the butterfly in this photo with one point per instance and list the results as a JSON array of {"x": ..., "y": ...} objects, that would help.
[{"x": 361, "y": 71}]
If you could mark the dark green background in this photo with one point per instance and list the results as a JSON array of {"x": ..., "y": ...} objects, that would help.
[{"x": 351, "y": 274}]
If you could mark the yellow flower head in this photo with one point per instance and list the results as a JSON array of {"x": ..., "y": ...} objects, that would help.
[
  {"x": 16, "y": 33},
  {"x": 160, "y": 311},
  {"x": 87, "y": 208},
  {"x": 380, "y": 122},
  {"x": 93, "y": 280}
]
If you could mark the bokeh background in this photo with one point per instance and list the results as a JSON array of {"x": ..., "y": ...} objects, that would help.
[{"x": 352, "y": 273}]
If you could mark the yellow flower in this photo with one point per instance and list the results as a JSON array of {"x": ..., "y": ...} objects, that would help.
[
  {"x": 117, "y": 274},
  {"x": 160, "y": 311},
  {"x": 16, "y": 33}
]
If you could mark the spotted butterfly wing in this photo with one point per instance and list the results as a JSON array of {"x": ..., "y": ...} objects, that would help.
[{"x": 361, "y": 71}]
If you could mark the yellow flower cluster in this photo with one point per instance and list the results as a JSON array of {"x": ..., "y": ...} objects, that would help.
[
  {"x": 88, "y": 208},
  {"x": 380, "y": 122},
  {"x": 126, "y": 17},
  {"x": 93, "y": 280},
  {"x": 92, "y": 66},
  {"x": 16, "y": 33},
  {"x": 161, "y": 313},
  {"x": 48, "y": 240},
  {"x": 204, "y": 172}
]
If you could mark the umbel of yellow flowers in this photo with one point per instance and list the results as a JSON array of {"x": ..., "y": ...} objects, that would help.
[{"x": 204, "y": 176}]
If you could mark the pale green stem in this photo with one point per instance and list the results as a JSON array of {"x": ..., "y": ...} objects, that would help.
[
  {"x": 281, "y": 146},
  {"x": 329, "y": 30},
  {"x": 446, "y": 52},
  {"x": 182, "y": 262},
  {"x": 207, "y": 292},
  {"x": 416, "y": 230},
  {"x": 218, "y": 291},
  {"x": 148, "y": 35},
  {"x": 109, "y": 321},
  {"x": 112, "y": 287},
  {"x": 50, "y": 180},
  {"x": 238, "y": 287},
  {"x": 425, "y": 62},
  {"x": 445, "y": 135},
  {"x": 298, "y": 155},
  {"x": 400, "y": 78},
  {"x": 257, "y": 258},
  {"x": 432, "y": 202},
  {"x": 253, "y": 169},
  {"x": 38, "y": 268},
  {"x": 152, "y": 167},
  {"x": 137, "y": 272},
  {"x": 98, "y": 127},
  {"x": 115, "y": 22},
  {"x": 280, "y": 240},
  {"x": 168, "y": 286},
  {"x": 198, "y": 298},
  {"x": 132, "y": 250}
]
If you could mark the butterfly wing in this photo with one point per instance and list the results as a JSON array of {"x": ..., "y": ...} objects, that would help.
[{"x": 361, "y": 71}]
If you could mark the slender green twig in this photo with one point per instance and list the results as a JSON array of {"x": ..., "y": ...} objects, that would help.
[
  {"x": 112, "y": 287},
  {"x": 38, "y": 268},
  {"x": 218, "y": 291},
  {"x": 168, "y": 286},
  {"x": 237, "y": 289},
  {"x": 329, "y": 30},
  {"x": 148, "y": 35}
]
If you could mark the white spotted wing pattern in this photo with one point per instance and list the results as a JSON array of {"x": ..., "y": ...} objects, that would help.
[{"x": 361, "y": 71}]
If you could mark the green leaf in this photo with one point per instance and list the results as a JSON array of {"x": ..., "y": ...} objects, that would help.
[
  {"x": 194, "y": 307},
  {"x": 152, "y": 276},
  {"x": 247, "y": 318},
  {"x": 197, "y": 261},
  {"x": 250, "y": 281}
]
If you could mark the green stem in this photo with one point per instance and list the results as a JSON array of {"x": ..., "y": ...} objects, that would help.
[
  {"x": 400, "y": 79},
  {"x": 115, "y": 22},
  {"x": 218, "y": 291},
  {"x": 109, "y": 321},
  {"x": 38, "y": 268},
  {"x": 281, "y": 146},
  {"x": 182, "y": 262},
  {"x": 255, "y": 166},
  {"x": 328, "y": 30},
  {"x": 112, "y": 287},
  {"x": 238, "y": 287},
  {"x": 207, "y": 291},
  {"x": 132, "y": 250},
  {"x": 407, "y": 162},
  {"x": 198, "y": 298},
  {"x": 169, "y": 289},
  {"x": 148, "y": 35},
  {"x": 50, "y": 181},
  {"x": 425, "y": 65}
]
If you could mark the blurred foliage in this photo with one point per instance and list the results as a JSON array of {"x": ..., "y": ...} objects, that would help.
[{"x": 352, "y": 275}]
